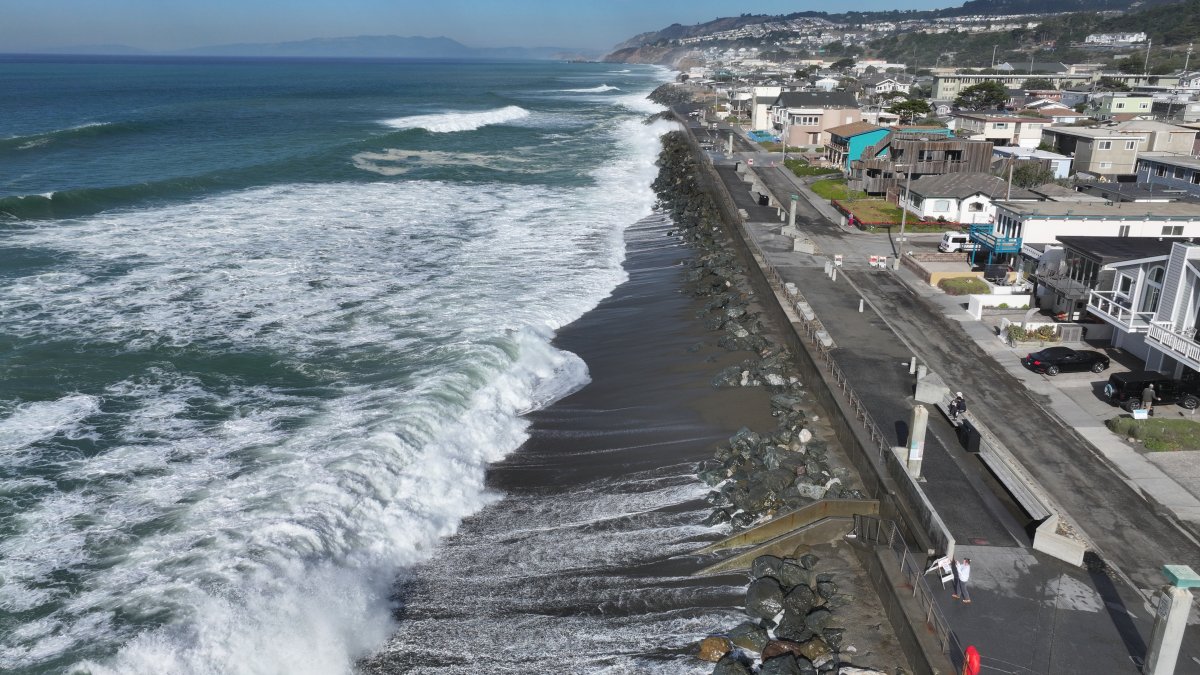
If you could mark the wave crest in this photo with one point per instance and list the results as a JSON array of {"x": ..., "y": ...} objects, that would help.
[
  {"x": 442, "y": 123},
  {"x": 593, "y": 90}
]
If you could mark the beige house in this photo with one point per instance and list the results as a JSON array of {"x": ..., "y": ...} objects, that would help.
[
  {"x": 1160, "y": 137},
  {"x": 1103, "y": 152},
  {"x": 1002, "y": 129},
  {"x": 804, "y": 117}
]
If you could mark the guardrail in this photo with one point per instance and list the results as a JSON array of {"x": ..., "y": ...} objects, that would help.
[{"x": 886, "y": 535}]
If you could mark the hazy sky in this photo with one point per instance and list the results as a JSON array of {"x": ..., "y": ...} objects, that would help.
[{"x": 177, "y": 24}]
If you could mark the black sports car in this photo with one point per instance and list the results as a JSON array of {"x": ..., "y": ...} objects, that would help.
[{"x": 1055, "y": 360}]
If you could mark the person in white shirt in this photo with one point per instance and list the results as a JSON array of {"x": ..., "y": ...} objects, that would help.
[{"x": 962, "y": 573}]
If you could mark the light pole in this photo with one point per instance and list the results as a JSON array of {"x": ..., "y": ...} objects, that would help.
[{"x": 907, "y": 191}]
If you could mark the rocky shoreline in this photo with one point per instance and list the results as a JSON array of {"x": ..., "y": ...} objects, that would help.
[{"x": 790, "y": 601}]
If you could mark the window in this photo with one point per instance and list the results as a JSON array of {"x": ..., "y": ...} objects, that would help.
[
  {"x": 1105, "y": 165},
  {"x": 1178, "y": 172},
  {"x": 1124, "y": 285},
  {"x": 1196, "y": 177},
  {"x": 1000, "y": 125},
  {"x": 941, "y": 205},
  {"x": 975, "y": 206},
  {"x": 1123, "y": 231},
  {"x": 1172, "y": 230},
  {"x": 1160, "y": 171},
  {"x": 1120, "y": 105},
  {"x": 1154, "y": 284},
  {"x": 1104, "y": 145},
  {"x": 1130, "y": 145},
  {"x": 1143, "y": 106}
]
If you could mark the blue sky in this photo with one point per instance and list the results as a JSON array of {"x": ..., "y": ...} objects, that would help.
[{"x": 177, "y": 24}]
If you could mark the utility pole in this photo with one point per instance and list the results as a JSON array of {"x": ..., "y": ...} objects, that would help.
[
  {"x": 1146, "y": 65},
  {"x": 1008, "y": 195},
  {"x": 994, "y": 48},
  {"x": 1187, "y": 58}
]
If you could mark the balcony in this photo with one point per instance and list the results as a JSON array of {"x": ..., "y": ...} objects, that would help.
[
  {"x": 1107, "y": 306},
  {"x": 983, "y": 234},
  {"x": 1179, "y": 344}
]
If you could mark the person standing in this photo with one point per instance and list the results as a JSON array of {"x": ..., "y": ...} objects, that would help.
[
  {"x": 962, "y": 573},
  {"x": 1148, "y": 398}
]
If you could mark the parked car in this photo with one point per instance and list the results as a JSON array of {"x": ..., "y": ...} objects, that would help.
[
  {"x": 957, "y": 241},
  {"x": 1055, "y": 360},
  {"x": 1125, "y": 389}
]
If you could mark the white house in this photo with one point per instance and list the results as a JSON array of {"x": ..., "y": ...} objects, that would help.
[
  {"x": 1045, "y": 222},
  {"x": 1002, "y": 129},
  {"x": 960, "y": 197},
  {"x": 1059, "y": 164},
  {"x": 826, "y": 84},
  {"x": 1152, "y": 300}
]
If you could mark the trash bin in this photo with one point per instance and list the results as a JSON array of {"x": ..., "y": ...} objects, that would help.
[{"x": 764, "y": 200}]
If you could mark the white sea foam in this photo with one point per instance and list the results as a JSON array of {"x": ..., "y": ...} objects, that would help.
[
  {"x": 459, "y": 121},
  {"x": 593, "y": 90},
  {"x": 262, "y": 526},
  {"x": 396, "y": 161}
]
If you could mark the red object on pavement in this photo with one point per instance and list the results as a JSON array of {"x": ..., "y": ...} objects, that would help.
[{"x": 971, "y": 661}]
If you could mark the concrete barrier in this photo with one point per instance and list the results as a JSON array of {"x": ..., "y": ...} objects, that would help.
[{"x": 1047, "y": 540}]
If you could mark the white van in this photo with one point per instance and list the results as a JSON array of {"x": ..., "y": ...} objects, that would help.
[{"x": 957, "y": 241}]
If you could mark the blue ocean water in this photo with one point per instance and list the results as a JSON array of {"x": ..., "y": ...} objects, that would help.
[{"x": 263, "y": 325}]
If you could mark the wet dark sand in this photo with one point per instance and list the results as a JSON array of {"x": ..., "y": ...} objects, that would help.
[{"x": 583, "y": 565}]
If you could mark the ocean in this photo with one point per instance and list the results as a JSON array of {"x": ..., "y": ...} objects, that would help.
[{"x": 264, "y": 325}]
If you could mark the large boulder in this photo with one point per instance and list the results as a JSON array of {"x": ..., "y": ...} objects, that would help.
[
  {"x": 731, "y": 665},
  {"x": 784, "y": 664},
  {"x": 793, "y": 628},
  {"x": 749, "y": 636},
  {"x": 800, "y": 600},
  {"x": 852, "y": 670},
  {"x": 816, "y": 650},
  {"x": 765, "y": 566},
  {"x": 791, "y": 574},
  {"x": 714, "y": 648},
  {"x": 818, "y": 619},
  {"x": 764, "y": 599}
]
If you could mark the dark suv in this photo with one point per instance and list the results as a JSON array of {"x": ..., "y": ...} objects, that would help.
[{"x": 1125, "y": 389}]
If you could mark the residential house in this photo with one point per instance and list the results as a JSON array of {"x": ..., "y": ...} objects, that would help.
[
  {"x": 1169, "y": 171},
  {"x": 1175, "y": 111},
  {"x": 760, "y": 114},
  {"x": 1082, "y": 275},
  {"x": 1102, "y": 152},
  {"x": 1055, "y": 112},
  {"x": 826, "y": 83},
  {"x": 1059, "y": 164},
  {"x": 1112, "y": 103},
  {"x": 878, "y": 85},
  {"x": 1159, "y": 136},
  {"x": 1002, "y": 129},
  {"x": 1115, "y": 39},
  {"x": 948, "y": 86},
  {"x": 921, "y": 151},
  {"x": 959, "y": 197},
  {"x": 847, "y": 142},
  {"x": 805, "y": 116},
  {"x": 1151, "y": 297}
]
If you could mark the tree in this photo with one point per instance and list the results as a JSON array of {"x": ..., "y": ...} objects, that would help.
[
  {"x": 1039, "y": 83},
  {"x": 986, "y": 95},
  {"x": 842, "y": 64},
  {"x": 1031, "y": 174},
  {"x": 1111, "y": 84},
  {"x": 910, "y": 108}
]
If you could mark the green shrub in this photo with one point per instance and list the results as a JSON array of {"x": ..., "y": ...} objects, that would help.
[
  {"x": 1017, "y": 333},
  {"x": 963, "y": 286},
  {"x": 1046, "y": 333},
  {"x": 1157, "y": 434},
  {"x": 1003, "y": 305}
]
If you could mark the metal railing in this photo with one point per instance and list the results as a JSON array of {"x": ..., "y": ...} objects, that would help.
[
  {"x": 1108, "y": 305},
  {"x": 1181, "y": 343},
  {"x": 886, "y": 535}
]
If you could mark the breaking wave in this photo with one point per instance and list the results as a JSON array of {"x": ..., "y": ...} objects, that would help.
[
  {"x": 593, "y": 90},
  {"x": 459, "y": 121}
]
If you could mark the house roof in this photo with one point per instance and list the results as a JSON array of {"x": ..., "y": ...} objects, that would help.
[
  {"x": 1172, "y": 159},
  {"x": 854, "y": 129},
  {"x": 1026, "y": 153},
  {"x": 1088, "y": 132},
  {"x": 1166, "y": 211},
  {"x": 816, "y": 99},
  {"x": 962, "y": 185},
  {"x": 1151, "y": 125},
  {"x": 1057, "y": 193},
  {"x": 992, "y": 117},
  {"x": 1135, "y": 192},
  {"x": 1108, "y": 250}
]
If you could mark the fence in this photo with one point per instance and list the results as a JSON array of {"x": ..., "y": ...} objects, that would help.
[{"x": 885, "y": 535}]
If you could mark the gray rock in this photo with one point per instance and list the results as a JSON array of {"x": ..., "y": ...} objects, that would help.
[
  {"x": 818, "y": 619},
  {"x": 809, "y": 561},
  {"x": 749, "y": 636},
  {"x": 784, "y": 664},
  {"x": 717, "y": 517},
  {"x": 764, "y": 598},
  {"x": 728, "y": 377},
  {"x": 800, "y": 600},
  {"x": 731, "y": 665},
  {"x": 827, "y": 589},
  {"x": 766, "y": 566},
  {"x": 793, "y": 627}
]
